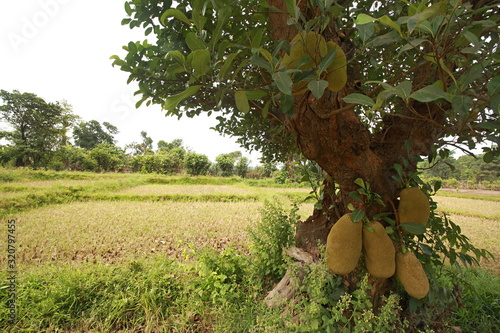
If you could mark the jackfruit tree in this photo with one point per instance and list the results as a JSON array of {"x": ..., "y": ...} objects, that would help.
[{"x": 366, "y": 89}]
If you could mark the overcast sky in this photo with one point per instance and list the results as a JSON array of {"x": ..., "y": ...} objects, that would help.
[{"x": 60, "y": 49}]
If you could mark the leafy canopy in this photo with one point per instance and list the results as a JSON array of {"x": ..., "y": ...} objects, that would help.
[{"x": 225, "y": 56}]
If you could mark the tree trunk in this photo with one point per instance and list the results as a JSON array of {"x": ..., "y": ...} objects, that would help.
[{"x": 329, "y": 132}]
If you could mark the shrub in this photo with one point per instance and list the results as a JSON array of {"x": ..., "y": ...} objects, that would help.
[
  {"x": 196, "y": 164},
  {"x": 274, "y": 233}
]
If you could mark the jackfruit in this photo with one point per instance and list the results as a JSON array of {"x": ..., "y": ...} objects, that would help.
[
  {"x": 337, "y": 71},
  {"x": 305, "y": 44},
  {"x": 380, "y": 254},
  {"x": 414, "y": 206},
  {"x": 411, "y": 274},
  {"x": 343, "y": 245}
]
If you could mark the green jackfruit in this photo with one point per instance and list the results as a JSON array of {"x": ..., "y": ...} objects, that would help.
[
  {"x": 337, "y": 71},
  {"x": 380, "y": 254},
  {"x": 411, "y": 274},
  {"x": 305, "y": 44},
  {"x": 414, "y": 206},
  {"x": 344, "y": 245}
]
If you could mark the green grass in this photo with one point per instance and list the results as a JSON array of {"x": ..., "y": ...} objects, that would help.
[{"x": 474, "y": 195}]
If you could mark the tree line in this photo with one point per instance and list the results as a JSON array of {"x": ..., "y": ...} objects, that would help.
[{"x": 39, "y": 137}]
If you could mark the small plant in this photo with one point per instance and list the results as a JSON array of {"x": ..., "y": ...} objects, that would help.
[{"x": 269, "y": 237}]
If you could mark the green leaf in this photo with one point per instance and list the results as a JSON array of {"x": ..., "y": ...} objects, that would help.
[
  {"x": 291, "y": 8},
  {"x": 355, "y": 196},
  {"x": 365, "y": 31},
  {"x": 241, "y": 99},
  {"x": 225, "y": 66},
  {"x": 257, "y": 38},
  {"x": 172, "y": 12},
  {"x": 128, "y": 9},
  {"x": 360, "y": 182},
  {"x": 446, "y": 69},
  {"x": 265, "y": 110},
  {"x": 426, "y": 249},
  {"x": 200, "y": 62},
  {"x": 327, "y": 60},
  {"x": 173, "y": 101},
  {"x": 317, "y": 87},
  {"x": 256, "y": 94},
  {"x": 399, "y": 170},
  {"x": 462, "y": 105},
  {"x": 358, "y": 215},
  {"x": 412, "y": 44},
  {"x": 494, "y": 86},
  {"x": 414, "y": 228},
  {"x": 193, "y": 42},
  {"x": 178, "y": 56},
  {"x": 429, "y": 94},
  {"x": 474, "y": 73},
  {"x": 283, "y": 82},
  {"x": 387, "y": 21},
  {"x": 490, "y": 125},
  {"x": 403, "y": 90},
  {"x": 358, "y": 99},
  {"x": 364, "y": 19}
]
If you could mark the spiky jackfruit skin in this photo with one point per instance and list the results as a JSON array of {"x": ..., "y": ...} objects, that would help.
[
  {"x": 337, "y": 71},
  {"x": 414, "y": 206},
  {"x": 411, "y": 274},
  {"x": 380, "y": 254},
  {"x": 344, "y": 245}
]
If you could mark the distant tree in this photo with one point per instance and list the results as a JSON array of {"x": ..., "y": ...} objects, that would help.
[
  {"x": 168, "y": 146},
  {"x": 196, "y": 164},
  {"x": 225, "y": 164},
  {"x": 88, "y": 134},
  {"x": 242, "y": 166},
  {"x": 142, "y": 148},
  {"x": 39, "y": 127}
]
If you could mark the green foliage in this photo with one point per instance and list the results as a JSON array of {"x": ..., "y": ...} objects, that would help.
[
  {"x": 39, "y": 128},
  {"x": 88, "y": 134},
  {"x": 210, "y": 65},
  {"x": 108, "y": 157},
  {"x": 269, "y": 238},
  {"x": 196, "y": 164},
  {"x": 479, "y": 306},
  {"x": 225, "y": 164},
  {"x": 466, "y": 170},
  {"x": 102, "y": 298}
]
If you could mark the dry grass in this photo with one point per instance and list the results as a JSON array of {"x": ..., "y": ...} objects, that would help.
[
  {"x": 484, "y": 234},
  {"x": 471, "y": 207},
  {"x": 186, "y": 189},
  {"x": 116, "y": 231},
  {"x": 210, "y": 189}
]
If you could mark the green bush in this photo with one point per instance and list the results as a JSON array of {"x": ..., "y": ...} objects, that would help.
[
  {"x": 269, "y": 238},
  {"x": 196, "y": 164}
]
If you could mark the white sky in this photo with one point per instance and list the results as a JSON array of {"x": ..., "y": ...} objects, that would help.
[{"x": 60, "y": 49}]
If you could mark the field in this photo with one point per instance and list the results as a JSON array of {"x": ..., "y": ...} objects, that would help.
[{"x": 73, "y": 220}]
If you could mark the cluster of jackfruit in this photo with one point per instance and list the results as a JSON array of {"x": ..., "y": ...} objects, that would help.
[
  {"x": 313, "y": 45},
  {"x": 347, "y": 240}
]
